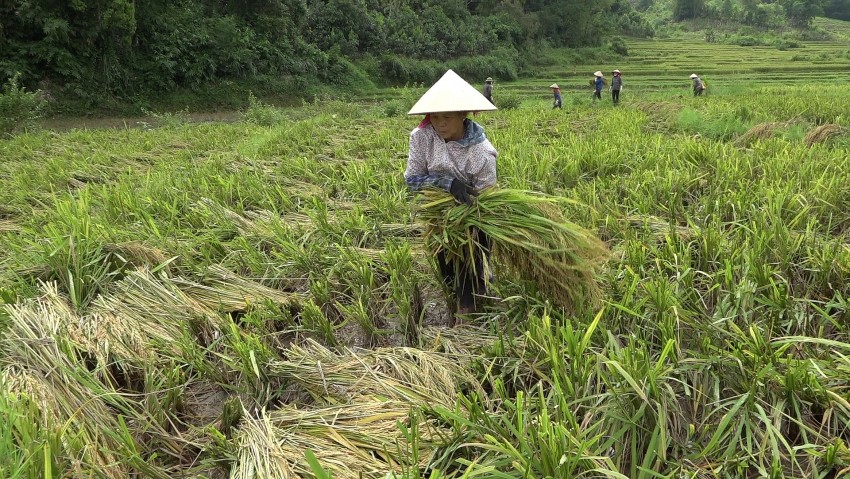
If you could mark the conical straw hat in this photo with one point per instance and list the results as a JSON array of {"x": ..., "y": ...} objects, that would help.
[
  {"x": 693, "y": 75},
  {"x": 599, "y": 74},
  {"x": 554, "y": 85},
  {"x": 451, "y": 93}
]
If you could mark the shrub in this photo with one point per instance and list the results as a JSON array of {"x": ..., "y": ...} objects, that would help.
[
  {"x": 746, "y": 41},
  {"x": 261, "y": 114},
  {"x": 786, "y": 44},
  {"x": 393, "y": 108},
  {"x": 508, "y": 101},
  {"x": 19, "y": 109},
  {"x": 168, "y": 119},
  {"x": 618, "y": 46}
]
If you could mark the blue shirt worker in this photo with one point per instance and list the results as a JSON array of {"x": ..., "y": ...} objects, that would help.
[
  {"x": 599, "y": 83},
  {"x": 556, "y": 92}
]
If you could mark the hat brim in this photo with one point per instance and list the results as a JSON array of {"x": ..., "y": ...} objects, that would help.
[{"x": 449, "y": 94}]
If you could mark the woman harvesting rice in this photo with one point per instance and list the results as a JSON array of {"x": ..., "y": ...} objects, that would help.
[{"x": 451, "y": 152}]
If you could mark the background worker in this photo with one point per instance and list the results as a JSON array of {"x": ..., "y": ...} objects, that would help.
[
  {"x": 699, "y": 86},
  {"x": 616, "y": 86},
  {"x": 450, "y": 151},
  {"x": 556, "y": 92},
  {"x": 488, "y": 90},
  {"x": 599, "y": 83}
]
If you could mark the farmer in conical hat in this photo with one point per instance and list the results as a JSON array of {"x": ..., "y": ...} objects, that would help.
[
  {"x": 449, "y": 151},
  {"x": 556, "y": 91},
  {"x": 699, "y": 86},
  {"x": 488, "y": 90},
  {"x": 598, "y": 83},
  {"x": 616, "y": 86}
]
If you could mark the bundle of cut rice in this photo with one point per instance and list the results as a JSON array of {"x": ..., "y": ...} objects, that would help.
[
  {"x": 531, "y": 239},
  {"x": 822, "y": 134}
]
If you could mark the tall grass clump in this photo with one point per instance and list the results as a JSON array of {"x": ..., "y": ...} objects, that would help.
[
  {"x": 19, "y": 109},
  {"x": 531, "y": 237},
  {"x": 509, "y": 101},
  {"x": 260, "y": 113}
]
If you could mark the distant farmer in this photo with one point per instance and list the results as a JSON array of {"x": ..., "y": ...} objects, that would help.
[
  {"x": 616, "y": 86},
  {"x": 556, "y": 91},
  {"x": 449, "y": 151},
  {"x": 488, "y": 90},
  {"x": 699, "y": 86},
  {"x": 599, "y": 83}
]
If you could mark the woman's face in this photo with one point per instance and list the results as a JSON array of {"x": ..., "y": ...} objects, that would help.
[{"x": 449, "y": 125}]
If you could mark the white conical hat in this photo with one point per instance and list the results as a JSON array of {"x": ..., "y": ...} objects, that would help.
[
  {"x": 599, "y": 74},
  {"x": 451, "y": 93},
  {"x": 554, "y": 85},
  {"x": 693, "y": 75}
]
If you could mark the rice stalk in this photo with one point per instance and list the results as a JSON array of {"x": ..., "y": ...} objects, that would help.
[
  {"x": 404, "y": 374},
  {"x": 360, "y": 439},
  {"x": 8, "y": 226},
  {"x": 459, "y": 342},
  {"x": 223, "y": 290},
  {"x": 139, "y": 254},
  {"x": 154, "y": 307},
  {"x": 822, "y": 134},
  {"x": 758, "y": 132},
  {"x": 244, "y": 224},
  {"x": 41, "y": 364},
  {"x": 259, "y": 452},
  {"x": 530, "y": 236}
]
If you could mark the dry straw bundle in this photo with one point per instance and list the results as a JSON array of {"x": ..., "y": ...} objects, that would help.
[
  {"x": 403, "y": 374},
  {"x": 350, "y": 441},
  {"x": 531, "y": 239},
  {"x": 822, "y": 134},
  {"x": 762, "y": 131}
]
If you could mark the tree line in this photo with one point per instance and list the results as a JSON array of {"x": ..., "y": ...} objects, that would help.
[
  {"x": 127, "y": 47},
  {"x": 140, "y": 47}
]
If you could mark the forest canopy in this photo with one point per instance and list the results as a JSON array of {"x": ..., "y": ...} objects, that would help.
[{"x": 124, "y": 48}]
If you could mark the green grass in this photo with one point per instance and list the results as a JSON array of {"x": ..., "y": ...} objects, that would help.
[{"x": 178, "y": 300}]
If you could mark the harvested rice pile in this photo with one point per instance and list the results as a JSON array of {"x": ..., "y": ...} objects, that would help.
[
  {"x": 530, "y": 236},
  {"x": 762, "y": 131},
  {"x": 822, "y": 134}
]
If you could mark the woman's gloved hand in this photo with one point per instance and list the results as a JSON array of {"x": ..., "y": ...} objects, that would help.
[{"x": 462, "y": 192}]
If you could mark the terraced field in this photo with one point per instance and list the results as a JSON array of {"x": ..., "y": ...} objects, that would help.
[{"x": 662, "y": 66}]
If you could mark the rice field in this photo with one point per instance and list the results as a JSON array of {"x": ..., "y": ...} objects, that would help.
[
  {"x": 254, "y": 299},
  {"x": 660, "y": 68}
]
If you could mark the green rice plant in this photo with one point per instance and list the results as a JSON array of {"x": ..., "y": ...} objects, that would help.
[
  {"x": 313, "y": 320},
  {"x": 531, "y": 239}
]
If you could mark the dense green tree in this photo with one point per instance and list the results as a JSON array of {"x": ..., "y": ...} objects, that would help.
[
  {"x": 686, "y": 9},
  {"x": 801, "y": 12},
  {"x": 838, "y": 9},
  {"x": 126, "y": 47}
]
